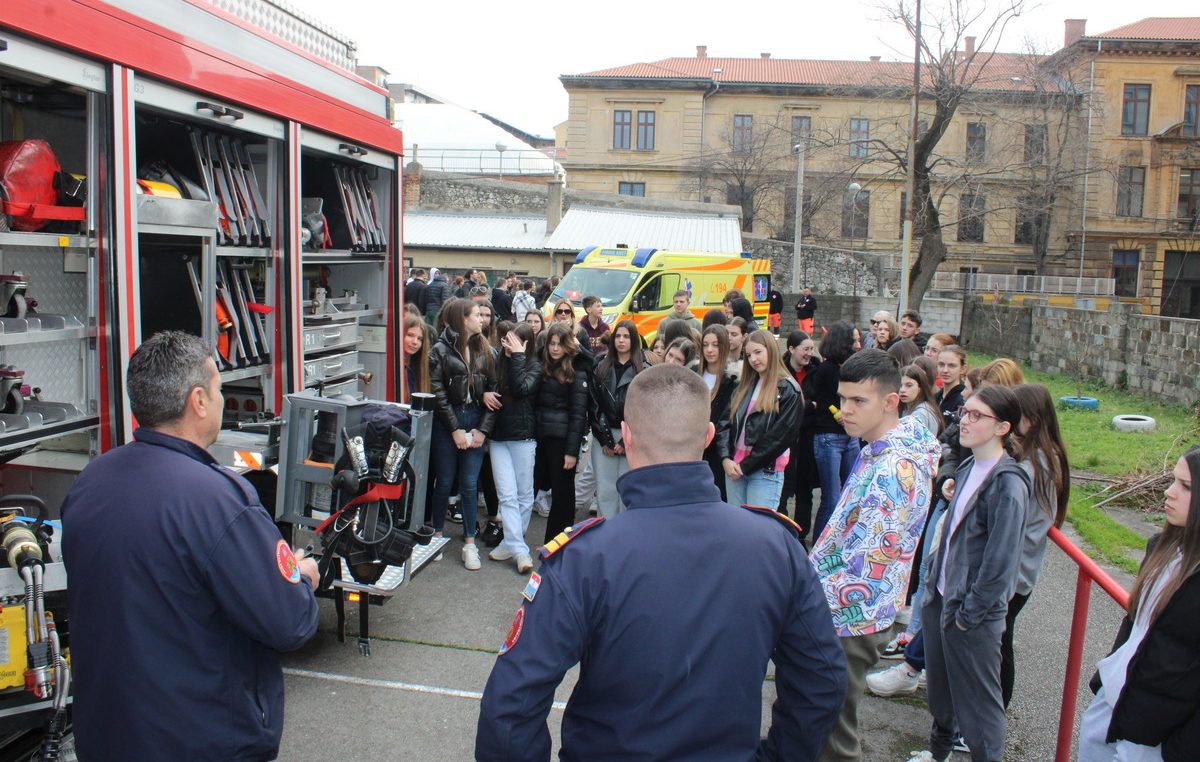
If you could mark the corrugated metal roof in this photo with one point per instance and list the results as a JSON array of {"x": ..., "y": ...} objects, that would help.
[
  {"x": 1156, "y": 28},
  {"x": 590, "y": 226},
  {"x": 477, "y": 230},
  {"x": 998, "y": 73}
]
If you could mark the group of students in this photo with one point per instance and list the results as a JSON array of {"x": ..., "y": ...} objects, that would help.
[{"x": 964, "y": 553}]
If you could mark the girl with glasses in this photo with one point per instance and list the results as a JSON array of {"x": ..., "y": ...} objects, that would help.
[{"x": 976, "y": 552}]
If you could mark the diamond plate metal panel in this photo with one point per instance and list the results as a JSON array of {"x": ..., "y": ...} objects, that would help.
[
  {"x": 303, "y": 31},
  {"x": 62, "y": 369}
]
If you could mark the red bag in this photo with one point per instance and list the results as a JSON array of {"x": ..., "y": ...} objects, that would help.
[{"x": 28, "y": 195}]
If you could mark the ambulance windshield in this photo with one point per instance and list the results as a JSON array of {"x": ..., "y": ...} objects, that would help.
[{"x": 610, "y": 285}]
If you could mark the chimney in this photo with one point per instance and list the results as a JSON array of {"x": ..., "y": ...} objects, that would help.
[
  {"x": 875, "y": 59},
  {"x": 554, "y": 203},
  {"x": 701, "y": 51},
  {"x": 764, "y": 56},
  {"x": 1074, "y": 30},
  {"x": 970, "y": 43},
  {"x": 412, "y": 185}
]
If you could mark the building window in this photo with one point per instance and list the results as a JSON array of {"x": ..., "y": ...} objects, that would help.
[
  {"x": 970, "y": 218},
  {"x": 976, "y": 141},
  {"x": 856, "y": 212},
  {"x": 1131, "y": 189},
  {"x": 1189, "y": 195},
  {"x": 631, "y": 189},
  {"x": 743, "y": 132},
  {"x": 622, "y": 129},
  {"x": 1035, "y": 143},
  {"x": 741, "y": 196},
  {"x": 1135, "y": 113},
  {"x": 1191, "y": 111},
  {"x": 970, "y": 277},
  {"x": 1125, "y": 272},
  {"x": 1031, "y": 219},
  {"x": 903, "y": 204},
  {"x": 645, "y": 131},
  {"x": 801, "y": 129},
  {"x": 860, "y": 136}
]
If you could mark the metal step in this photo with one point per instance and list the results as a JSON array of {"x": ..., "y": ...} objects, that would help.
[{"x": 394, "y": 576}]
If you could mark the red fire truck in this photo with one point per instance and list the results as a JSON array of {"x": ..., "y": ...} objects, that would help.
[{"x": 213, "y": 166}]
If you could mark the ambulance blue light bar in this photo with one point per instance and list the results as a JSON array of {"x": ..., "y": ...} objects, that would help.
[
  {"x": 641, "y": 257},
  {"x": 583, "y": 254}
]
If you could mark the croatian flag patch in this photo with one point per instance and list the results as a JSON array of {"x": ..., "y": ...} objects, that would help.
[{"x": 531, "y": 589}]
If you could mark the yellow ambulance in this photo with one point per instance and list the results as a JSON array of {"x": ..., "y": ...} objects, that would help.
[{"x": 640, "y": 284}]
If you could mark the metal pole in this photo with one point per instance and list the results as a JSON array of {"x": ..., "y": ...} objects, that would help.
[
  {"x": 1066, "y": 717},
  {"x": 797, "y": 240},
  {"x": 910, "y": 183}
]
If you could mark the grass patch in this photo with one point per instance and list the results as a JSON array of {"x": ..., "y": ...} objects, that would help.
[
  {"x": 1111, "y": 541},
  {"x": 1092, "y": 442}
]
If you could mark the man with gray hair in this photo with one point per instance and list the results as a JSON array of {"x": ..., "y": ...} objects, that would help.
[
  {"x": 878, "y": 319},
  {"x": 673, "y": 629},
  {"x": 181, "y": 588}
]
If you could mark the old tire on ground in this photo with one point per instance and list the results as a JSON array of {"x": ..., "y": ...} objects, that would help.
[
  {"x": 1084, "y": 403},
  {"x": 1133, "y": 423}
]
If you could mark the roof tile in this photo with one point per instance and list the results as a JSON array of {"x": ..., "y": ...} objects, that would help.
[{"x": 1156, "y": 28}]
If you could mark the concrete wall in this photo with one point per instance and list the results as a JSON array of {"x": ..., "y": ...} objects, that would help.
[
  {"x": 1149, "y": 355},
  {"x": 937, "y": 315}
]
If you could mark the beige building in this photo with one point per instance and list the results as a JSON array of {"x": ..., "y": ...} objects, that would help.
[
  {"x": 723, "y": 129},
  {"x": 1143, "y": 194}
]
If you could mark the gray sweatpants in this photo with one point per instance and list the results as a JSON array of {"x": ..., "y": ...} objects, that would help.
[
  {"x": 607, "y": 469},
  {"x": 962, "y": 673}
]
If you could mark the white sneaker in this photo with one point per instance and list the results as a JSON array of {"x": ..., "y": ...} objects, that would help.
[
  {"x": 470, "y": 556},
  {"x": 904, "y": 615},
  {"x": 922, "y": 756},
  {"x": 499, "y": 554},
  {"x": 899, "y": 680},
  {"x": 524, "y": 563}
]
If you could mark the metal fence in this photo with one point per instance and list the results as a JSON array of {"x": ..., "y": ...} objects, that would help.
[
  {"x": 486, "y": 161},
  {"x": 1024, "y": 284}
]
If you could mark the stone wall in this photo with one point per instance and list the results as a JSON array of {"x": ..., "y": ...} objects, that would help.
[
  {"x": 825, "y": 271},
  {"x": 1154, "y": 356}
]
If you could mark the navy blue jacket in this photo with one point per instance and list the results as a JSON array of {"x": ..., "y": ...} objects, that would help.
[
  {"x": 673, "y": 631},
  {"x": 181, "y": 591}
]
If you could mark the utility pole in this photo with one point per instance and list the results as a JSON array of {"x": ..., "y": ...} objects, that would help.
[
  {"x": 910, "y": 183},
  {"x": 801, "y": 149}
]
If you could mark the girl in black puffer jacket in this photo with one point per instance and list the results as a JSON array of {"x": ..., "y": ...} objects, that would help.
[
  {"x": 514, "y": 443},
  {"x": 462, "y": 373},
  {"x": 562, "y": 414}
]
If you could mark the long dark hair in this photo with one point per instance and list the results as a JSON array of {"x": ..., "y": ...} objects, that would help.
[
  {"x": 1184, "y": 540},
  {"x": 927, "y": 397},
  {"x": 1052, "y": 476},
  {"x": 610, "y": 357},
  {"x": 563, "y": 369},
  {"x": 455, "y": 314},
  {"x": 838, "y": 344},
  {"x": 418, "y": 363}
]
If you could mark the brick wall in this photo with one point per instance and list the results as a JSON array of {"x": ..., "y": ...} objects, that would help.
[{"x": 1149, "y": 355}]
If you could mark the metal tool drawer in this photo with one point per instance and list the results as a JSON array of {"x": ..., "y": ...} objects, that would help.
[
  {"x": 330, "y": 334},
  {"x": 349, "y": 386},
  {"x": 330, "y": 366}
]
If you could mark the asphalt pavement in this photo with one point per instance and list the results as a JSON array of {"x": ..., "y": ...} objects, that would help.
[{"x": 417, "y": 696}]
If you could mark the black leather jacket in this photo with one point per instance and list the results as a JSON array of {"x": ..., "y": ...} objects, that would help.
[
  {"x": 1159, "y": 704},
  {"x": 516, "y": 420},
  {"x": 452, "y": 386},
  {"x": 562, "y": 409},
  {"x": 608, "y": 402},
  {"x": 767, "y": 434}
]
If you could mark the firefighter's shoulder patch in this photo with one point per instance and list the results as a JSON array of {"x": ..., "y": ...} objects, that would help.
[
  {"x": 567, "y": 535},
  {"x": 792, "y": 526}
]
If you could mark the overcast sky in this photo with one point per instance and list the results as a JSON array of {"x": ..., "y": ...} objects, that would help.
[{"x": 505, "y": 59}]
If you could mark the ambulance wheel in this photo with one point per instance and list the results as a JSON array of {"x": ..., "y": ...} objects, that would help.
[{"x": 1127, "y": 423}]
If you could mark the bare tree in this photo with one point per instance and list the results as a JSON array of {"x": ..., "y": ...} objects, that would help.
[
  {"x": 748, "y": 169},
  {"x": 953, "y": 74}
]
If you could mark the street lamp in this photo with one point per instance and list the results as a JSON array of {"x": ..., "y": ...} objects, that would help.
[
  {"x": 797, "y": 246},
  {"x": 501, "y": 148}
]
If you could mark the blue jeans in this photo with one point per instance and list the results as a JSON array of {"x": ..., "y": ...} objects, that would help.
[
  {"x": 450, "y": 462},
  {"x": 835, "y": 455},
  {"x": 512, "y": 470},
  {"x": 918, "y": 599},
  {"x": 761, "y": 488}
]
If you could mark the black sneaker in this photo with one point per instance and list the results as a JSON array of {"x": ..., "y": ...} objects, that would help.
[
  {"x": 453, "y": 514},
  {"x": 492, "y": 535}
]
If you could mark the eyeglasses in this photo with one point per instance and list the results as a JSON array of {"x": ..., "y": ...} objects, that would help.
[
  {"x": 878, "y": 322},
  {"x": 563, "y": 312},
  {"x": 974, "y": 415},
  {"x": 480, "y": 291}
]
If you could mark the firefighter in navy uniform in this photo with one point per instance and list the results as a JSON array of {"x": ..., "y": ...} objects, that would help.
[
  {"x": 181, "y": 588},
  {"x": 672, "y": 609}
]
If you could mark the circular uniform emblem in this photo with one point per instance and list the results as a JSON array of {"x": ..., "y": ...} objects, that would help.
[
  {"x": 514, "y": 632},
  {"x": 286, "y": 561}
]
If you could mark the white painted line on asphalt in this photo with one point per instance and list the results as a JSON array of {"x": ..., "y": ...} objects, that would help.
[{"x": 395, "y": 685}]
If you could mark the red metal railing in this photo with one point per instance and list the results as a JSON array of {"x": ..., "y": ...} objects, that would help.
[{"x": 1089, "y": 572}]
